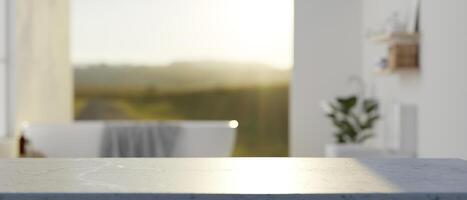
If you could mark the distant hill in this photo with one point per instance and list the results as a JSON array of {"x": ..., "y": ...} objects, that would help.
[{"x": 179, "y": 76}]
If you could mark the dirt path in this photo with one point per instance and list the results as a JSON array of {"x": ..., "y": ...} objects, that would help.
[{"x": 98, "y": 109}]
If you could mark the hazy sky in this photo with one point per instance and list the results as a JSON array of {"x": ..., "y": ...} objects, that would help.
[{"x": 164, "y": 31}]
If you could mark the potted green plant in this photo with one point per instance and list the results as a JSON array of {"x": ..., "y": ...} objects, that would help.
[{"x": 354, "y": 119}]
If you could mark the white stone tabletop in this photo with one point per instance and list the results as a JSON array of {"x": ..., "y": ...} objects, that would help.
[{"x": 233, "y": 178}]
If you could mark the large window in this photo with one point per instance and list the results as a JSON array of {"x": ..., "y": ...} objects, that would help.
[{"x": 187, "y": 60}]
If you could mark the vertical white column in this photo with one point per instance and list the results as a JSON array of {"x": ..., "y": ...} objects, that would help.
[
  {"x": 8, "y": 143},
  {"x": 3, "y": 69},
  {"x": 41, "y": 80},
  {"x": 327, "y": 52}
]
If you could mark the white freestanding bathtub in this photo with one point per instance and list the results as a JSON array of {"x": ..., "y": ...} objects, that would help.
[{"x": 82, "y": 139}]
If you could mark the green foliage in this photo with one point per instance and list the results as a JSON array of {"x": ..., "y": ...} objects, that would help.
[
  {"x": 178, "y": 77},
  {"x": 353, "y": 118},
  {"x": 256, "y": 95},
  {"x": 262, "y": 112}
]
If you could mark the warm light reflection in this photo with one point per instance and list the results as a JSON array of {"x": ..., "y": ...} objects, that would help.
[
  {"x": 264, "y": 175},
  {"x": 233, "y": 124},
  {"x": 279, "y": 176},
  {"x": 24, "y": 124}
]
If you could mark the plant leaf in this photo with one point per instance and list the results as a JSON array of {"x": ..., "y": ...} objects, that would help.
[
  {"x": 370, "y": 105},
  {"x": 363, "y": 138},
  {"x": 346, "y": 104},
  {"x": 369, "y": 123},
  {"x": 331, "y": 115},
  {"x": 339, "y": 138}
]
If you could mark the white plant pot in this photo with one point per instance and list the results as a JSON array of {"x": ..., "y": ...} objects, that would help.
[{"x": 353, "y": 151}]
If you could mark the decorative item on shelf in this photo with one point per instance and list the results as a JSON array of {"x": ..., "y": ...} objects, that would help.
[
  {"x": 394, "y": 24},
  {"x": 413, "y": 25},
  {"x": 393, "y": 27},
  {"x": 403, "y": 56},
  {"x": 403, "y": 52},
  {"x": 381, "y": 64},
  {"x": 402, "y": 38},
  {"x": 354, "y": 119}
]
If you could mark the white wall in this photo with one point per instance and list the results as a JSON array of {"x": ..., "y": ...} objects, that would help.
[
  {"x": 443, "y": 114},
  {"x": 42, "y": 91},
  {"x": 439, "y": 88},
  {"x": 327, "y": 51},
  {"x": 3, "y": 70}
]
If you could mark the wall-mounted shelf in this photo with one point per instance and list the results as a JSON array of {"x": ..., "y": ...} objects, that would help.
[
  {"x": 402, "y": 51},
  {"x": 396, "y": 38}
]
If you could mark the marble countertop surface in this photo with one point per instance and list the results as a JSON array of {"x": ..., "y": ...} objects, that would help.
[{"x": 233, "y": 178}]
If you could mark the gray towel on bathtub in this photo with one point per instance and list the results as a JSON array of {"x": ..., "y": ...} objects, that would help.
[{"x": 139, "y": 139}]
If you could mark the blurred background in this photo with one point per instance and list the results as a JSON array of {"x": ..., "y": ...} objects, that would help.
[
  {"x": 220, "y": 78},
  {"x": 186, "y": 60}
]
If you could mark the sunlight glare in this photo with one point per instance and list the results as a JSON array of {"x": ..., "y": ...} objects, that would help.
[
  {"x": 233, "y": 124},
  {"x": 165, "y": 31}
]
